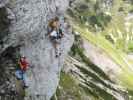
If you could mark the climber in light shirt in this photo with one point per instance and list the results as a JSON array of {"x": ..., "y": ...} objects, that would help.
[{"x": 55, "y": 34}]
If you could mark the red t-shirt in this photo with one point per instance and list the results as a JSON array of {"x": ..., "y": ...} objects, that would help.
[{"x": 24, "y": 64}]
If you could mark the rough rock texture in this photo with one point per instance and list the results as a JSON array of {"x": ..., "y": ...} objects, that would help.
[
  {"x": 82, "y": 76},
  {"x": 29, "y": 19},
  {"x": 98, "y": 57}
]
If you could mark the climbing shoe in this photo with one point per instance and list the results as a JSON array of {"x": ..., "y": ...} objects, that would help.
[
  {"x": 59, "y": 54},
  {"x": 56, "y": 56},
  {"x": 25, "y": 87}
]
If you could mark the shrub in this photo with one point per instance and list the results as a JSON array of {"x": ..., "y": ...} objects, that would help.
[
  {"x": 130, "y": 46},
  {"x": 101, "y": 20}
]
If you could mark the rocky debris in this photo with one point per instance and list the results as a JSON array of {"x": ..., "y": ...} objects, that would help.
[{"x": 3, "y": 3}]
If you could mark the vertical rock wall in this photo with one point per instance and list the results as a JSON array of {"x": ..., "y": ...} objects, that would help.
[{"x": 28, "y": 29}]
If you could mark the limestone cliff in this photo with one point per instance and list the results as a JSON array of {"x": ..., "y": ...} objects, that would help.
[{"x": 25, "y": 34}]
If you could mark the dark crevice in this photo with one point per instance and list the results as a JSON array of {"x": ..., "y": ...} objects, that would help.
[{"x": 4, "y": 23}]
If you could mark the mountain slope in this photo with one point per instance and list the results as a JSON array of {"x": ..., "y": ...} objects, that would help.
[{"x": 98, "y": 37}]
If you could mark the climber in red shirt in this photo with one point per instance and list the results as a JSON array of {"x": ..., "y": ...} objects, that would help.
[
  {"x": 23, "y": 63},
  {"x": 21, "y": 73}
]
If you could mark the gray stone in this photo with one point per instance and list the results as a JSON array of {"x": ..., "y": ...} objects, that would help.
[{"x": 30, "y": 19}]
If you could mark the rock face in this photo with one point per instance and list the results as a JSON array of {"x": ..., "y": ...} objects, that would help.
[{"x": 28, "y": 29}]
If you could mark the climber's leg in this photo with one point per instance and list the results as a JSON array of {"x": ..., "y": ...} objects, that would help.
[
  {"x": 60, "y": 47},
  {"x": 24, "y": 80},
  {"x": 18, "y": 74},
  {"x": 56, "y": 49},
  {"x": 56, "y": 43},
  {"x": 60, "y": 50}
]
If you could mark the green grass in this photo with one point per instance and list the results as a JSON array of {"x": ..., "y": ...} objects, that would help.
[
  {"x": 68, "y": 88},
  {"x": 111, "y": 24},
  {"x": 117, "y": 26},
  {"x": 130, "y": 46}
]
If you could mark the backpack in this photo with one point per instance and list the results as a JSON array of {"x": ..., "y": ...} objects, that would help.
[
  {"x": 23, "y": 65},
  {"x": 59, "y": 33}
]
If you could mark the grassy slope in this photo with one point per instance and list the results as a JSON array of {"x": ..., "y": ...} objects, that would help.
[
  {"x": 119, "y": 57},
  {"x": 68, "y": 88},
  {"x": 117, "y": 26}
]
